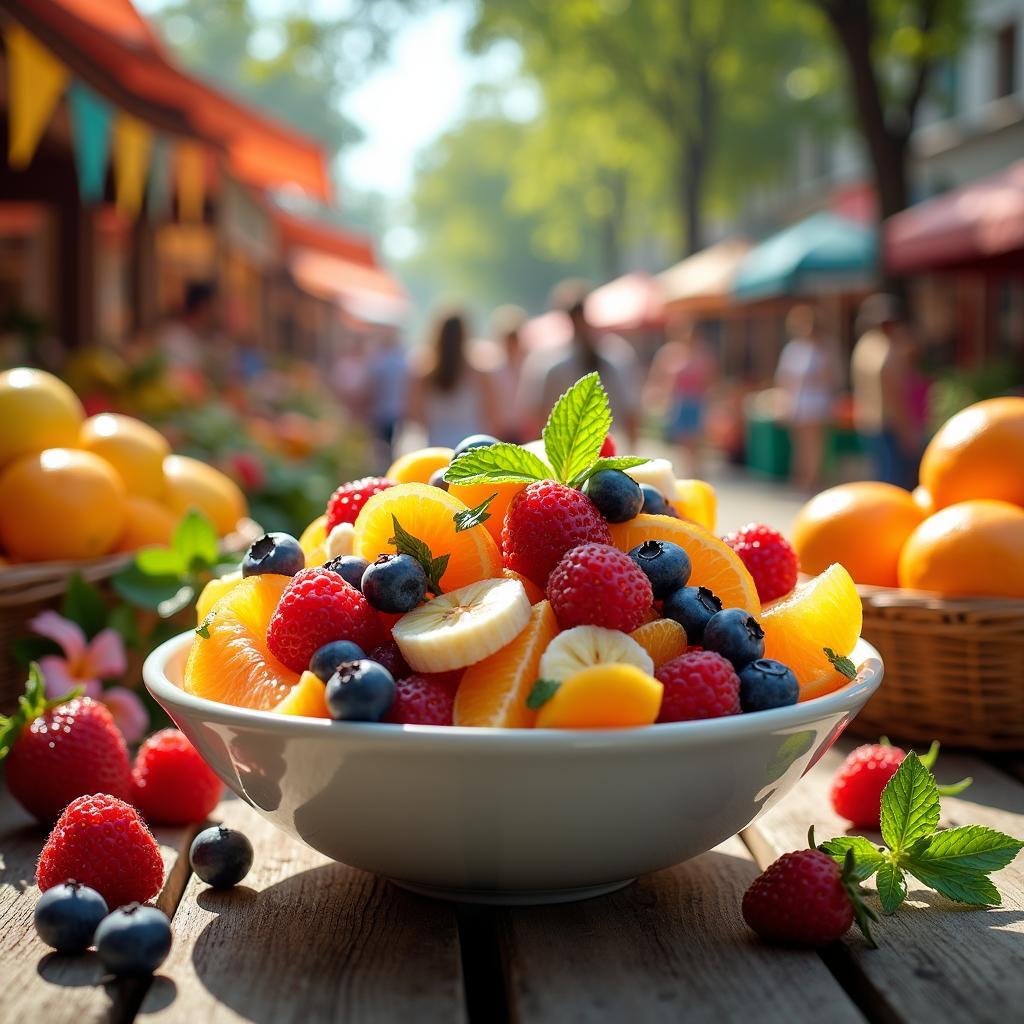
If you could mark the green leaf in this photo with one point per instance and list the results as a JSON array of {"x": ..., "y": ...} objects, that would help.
[
  {"x": 862, "y": 913},
  {"x": 974, "y": 847},
  {"x": 500, "y": 463},
  {"x": 31, "y": 704},
  {"x": 203, "y": 629},
  {"x": 910, "y": 805},
  {"x": 83, "y": 604},
  {"x": 160, "y": 562},
  {"x": 541, "y": 692},
  {"x": 963, "y": 885},
  {"x": 840, "y": 663},
  {"x": 471, "y": 517},
  {"x": 612, "y": 462},
  {"x": 576, "y": 428},
  {"x": 195, "y": 541},
  {"x": 867, "y": 857},
  {"x": 125, "y": 621},
  {"x": 892, "y": 886},
  {"x": 144, "y": 591},
  {"x": 406, "y": 544}
]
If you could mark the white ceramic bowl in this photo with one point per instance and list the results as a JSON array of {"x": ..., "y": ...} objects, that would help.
[{"x": 508, "y": 815}]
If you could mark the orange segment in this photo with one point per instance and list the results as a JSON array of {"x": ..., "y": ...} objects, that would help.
[
  {"x": 475, "y": 494},
  {"x": 696, "y": 500},
  {"x": 306, "y": 698},
  {"x": 823, "y": 612},
  {"x": 233, "y": 664},
  {"x": 603, "y": 697},
  {"x": 715, "y": 565},
  {"x": 214, "y": 591},
  {"x": 663, "y": 640},
  {"x": 418, "y": 467},
  {"x": 428, "y": 513},
  {"x": 533, "y": 592},
  {"x": 314, "y": 535},
  {"x": 493, "y": 692}
]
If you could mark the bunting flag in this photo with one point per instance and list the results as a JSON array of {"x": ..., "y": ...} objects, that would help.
[
  {"x": 91, "y": 118},
  {"x": 158, "y": 197},
  {"x": 133, "y": 145},
  {"x": 191, "y": 177},
  {"x": 36, "y": 82}
]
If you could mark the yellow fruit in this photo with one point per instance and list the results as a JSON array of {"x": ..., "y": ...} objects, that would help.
[
  {"x": 233, "y": 664},
  {"x": 133, "y": 448},
  {"x": 37, "y": 411},
  {"x": 306, "y": 698},
  {"x": 418, "y": 467},
  {"x": 475, "y": 494},
  {"x": 214, "y": 591},
  {"x": 971, "y": 549},
  {"x": 861, "y": 525},
  {"x": 823, "y": 612},
  {"x": 59, "y": 504},
  {"x": 696, "y": 500},
  {"x": 715, "y": 565},
  {"x": 314, "y": 535},
  {"x": 662, "y": 639},
  {"x": 193, "y": 484},
  {"x": 147, "y": 524},
  {"x": 603, "y": 697},
  {"x": 493, "y": 692},
  {"x": 428, "y": 513}
]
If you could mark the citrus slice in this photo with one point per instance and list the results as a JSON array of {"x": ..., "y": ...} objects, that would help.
[
  {"x": 715, "y": 565},
  {"x": 476, "y": 494},
  {"x": 428, "y": 513},
  {"x": 663, "y": 640},
  {"x": 696, "y": 500},
  {"x": 214, "y": 591},
  {"x": 417, "y": 467},
  {"x": 493, "y": 692},
  {"x": 306, "y": 698},
  {"x": 603, "y": 697},
  {"x": 823, "y": 612},
  {"x": 233, "y": 664},
  {"x": 314, "y": 535}
]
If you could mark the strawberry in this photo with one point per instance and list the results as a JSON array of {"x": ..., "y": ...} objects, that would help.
[
  {"x": 347, "y": 501},
  {"x": 598, "y": 585},
  {"x": 424, "y": 699},
  {"x": 857, "y": 788},
  {"x": 58, "y": 749},
  {"x": 171, "y": 783},
  {"x": 103, "y": 843}
]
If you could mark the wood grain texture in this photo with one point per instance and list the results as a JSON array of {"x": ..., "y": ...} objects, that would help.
[
  {"x": 38, "y": 984},
  {"x": 671, "y": 947},
  {"x": 937, "y": 959},
  {"x": 304, "y": 939}
]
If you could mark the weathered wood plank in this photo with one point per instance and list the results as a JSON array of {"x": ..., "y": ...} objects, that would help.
[
  {"x": 304, "y": 939},
  {"x": 936, "y": 958},
  {"x": 671, "y": 947},
  {"x": 36, "y": 983}
]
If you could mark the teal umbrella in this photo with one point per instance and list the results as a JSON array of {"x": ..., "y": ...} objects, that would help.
[{"x": 824, "y": 252}]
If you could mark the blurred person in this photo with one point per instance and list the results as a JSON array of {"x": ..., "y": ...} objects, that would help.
[
  {"x": 349, "y": 377},
  {"x": 681, "y": 375},
  {"x": 548, "y": 373},
  {"x": 808, "y": 376},
  {"x": 889, "y": 394},
  {"x": 450, "y": 396},
  {"x": 388, "y": 376},
  {"x": 506, "y": 324},
  {"x": 183, "y": 340}
]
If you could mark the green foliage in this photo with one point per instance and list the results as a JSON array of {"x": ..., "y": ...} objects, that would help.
[{"x": 406, "y": 544}]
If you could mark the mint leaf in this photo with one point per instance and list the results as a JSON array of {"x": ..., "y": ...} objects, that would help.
[
  {"x": 973, "y": 847},
  {"x": 840, "y": 663},
  {"x": 963, "y": 885},
  {"x": 576, "y": 428},
  {"x": 203, "y": 629},
  {"x": 892, "y": 886},
  {"x": 161, "y": 562},
  {"x": 500, "y": 463},
  {"x": 541, "y": 692},
  {"x": 867, "y": 857},
  {"x": 406, "y": 544},
  {"x": 471, "y": 517},
  {"x": 144, "y": 590},
  {"x": 611, "y": 462},
  {"x": 910, "y": 805},
  {"x": 195, "y": 541}
]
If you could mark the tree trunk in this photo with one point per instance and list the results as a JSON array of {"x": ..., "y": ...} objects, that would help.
[
  {"x": 695, "y": 145},
  {"x": 611, "y": 227}
]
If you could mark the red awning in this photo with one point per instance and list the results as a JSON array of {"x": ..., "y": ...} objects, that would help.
[
  {"x": 367, "y": 293},
  {"x": 633, "y": 302},
  {"x": 981, "y": 223}
]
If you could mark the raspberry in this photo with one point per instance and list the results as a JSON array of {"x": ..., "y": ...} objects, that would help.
[
  {"x": 318, "y": 606},
  {"x": 345, "y": 503},
  {"x": 857, "y": 788},
  {"x": 598, "y": 585},
  {"x": 388, "y": 655},
  {"x": 769, "y": 558},
  {"x": 172, "y": 784},
  {"x": 544, "y": 521},
  {"x": 103, "y": 843},
  {"x": 699, "y": 685},
  {"x": 801, "y": 899},
  {"x": 424, "y": 699}
]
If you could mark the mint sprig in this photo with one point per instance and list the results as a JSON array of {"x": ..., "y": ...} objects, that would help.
[
  {"x": 470, "y": 517},
  {"x": 498, "y": 464},
  {"x": 955, "y": 862},
  {"x": 31, "y": 704},
  {"x": 406, "y": 544},
  {"x": 843, "y": 665},
  {"x": 541, "y": 692}
]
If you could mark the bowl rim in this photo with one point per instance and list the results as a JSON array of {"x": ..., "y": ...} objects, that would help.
[{"x": 850, "y": 697}]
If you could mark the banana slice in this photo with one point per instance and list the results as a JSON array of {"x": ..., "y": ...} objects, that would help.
[
  {"x": 582, "y": 646},
  {"x": 658, "y": 473},
  {"x": 340, "y": 540},
  {"x": 463, "y": 627}
]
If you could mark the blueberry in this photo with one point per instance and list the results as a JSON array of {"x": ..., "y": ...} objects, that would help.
[
  {"x": 67, "y": 916},
  {"x": 736, "y": 635},
  {"x": 692, "y": 608},
  {"x": 274, "y": 552},
  {"x": 665, "y": 564},
  {"x": 395, "y": 583},
  {"x": 474, "y": 441},
  {"x": 350, "y": 568},
  {"x": 765, "y": 684},
  {"x": 616, "y": 495},
  {"x": 327, "y": 658},
  {"x": 360, "y": 691},
  {"x": 437, "y": 478},
  {"x": 220, "y": 856},
  {"x": 655, "y": 503},
  {"x": 133, "y": 940}
]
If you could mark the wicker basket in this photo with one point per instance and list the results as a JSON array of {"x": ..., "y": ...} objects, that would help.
[{"x": 954, "y": 669}]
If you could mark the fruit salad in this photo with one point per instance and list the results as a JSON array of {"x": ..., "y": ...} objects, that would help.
[{"x": 551, "y": 585}]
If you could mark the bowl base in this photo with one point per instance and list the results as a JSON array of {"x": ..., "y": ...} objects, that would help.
[{"x": 513, "y": 897}]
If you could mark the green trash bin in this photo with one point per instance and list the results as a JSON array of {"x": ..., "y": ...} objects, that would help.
[{"x": 768, "y": 448}]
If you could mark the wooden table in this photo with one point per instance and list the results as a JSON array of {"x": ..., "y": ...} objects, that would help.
[{"x": 308, "y": 940}]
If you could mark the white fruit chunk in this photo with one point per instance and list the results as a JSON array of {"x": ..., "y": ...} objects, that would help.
[{"x": 583, "y": 646}]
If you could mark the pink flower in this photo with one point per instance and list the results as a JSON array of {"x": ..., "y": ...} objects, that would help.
[{"x": 130, "y": 714}]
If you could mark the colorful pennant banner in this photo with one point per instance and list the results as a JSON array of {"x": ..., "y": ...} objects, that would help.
[
  {"x": 91, "y": 118},
  {"x": 133, "y": 146},
  {"x": 190, "y": 168},
  {"x": 36, "y": 82}
]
